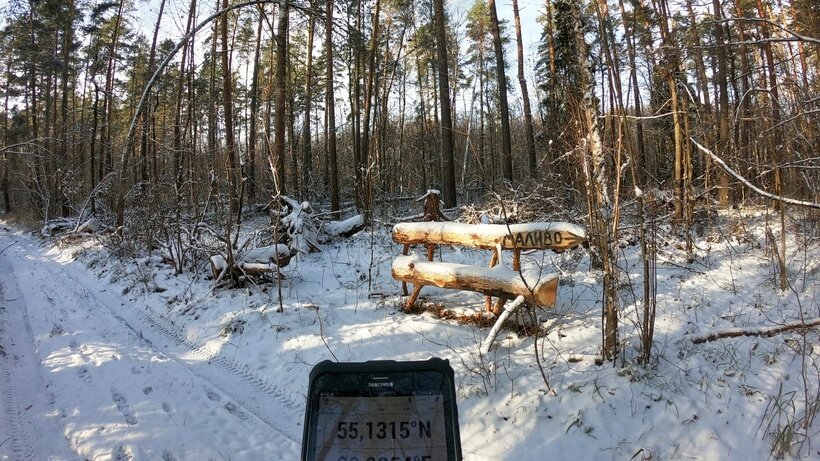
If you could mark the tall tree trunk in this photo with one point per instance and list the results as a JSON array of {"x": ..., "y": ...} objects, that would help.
[
  {"x": 552, "y": 83},
  {"x": 280, "y": 99},
  {"x": 146, "y": 145},
  {"x": 106, "y": 144},
  {"x": 647, "y": 324},
  {"x": 724, "y": 137},
  {"x": 482, "y": 131},
  {"x": 525, "y": 95},
  {"x": 670, "y": 71},
  {"x": 423, "y": 128},
  {"x": 386, "y": 182},
  {"x": 269, "y": 95},
  {"x": 92, "y": 143},
  {"x": 4, "y": 185},
  {"x": 179, "y": 259},
  {"x": 307, "y": 180},
  {"x": 354, "y": 77},
  {"x": 696, "y": 54},
  {"x": 4, "y": 181},
  {"x": 503, "y": 108},
  {"x": 253, "y": 127},
  {"x": 32, "y": 99},
  {"x": 212, "y": 101},
  {"x": 177, "y": 126},
  {"x": 79, "y": 104},
  {"x": 363, "y": 188},
  {"x": 290, "y": 123},
  {"x": 330, "y": 104},
  {"x": 745, "y": 123},
  {"x": 64, "y": 142},
  {"x": 108, "y": 105},
  {"x": 640, "y": 148},
  {"x": 194, "y": 128},
  {"x": 775, "y": 141},
  {"x": 597, "y": 180},
  {"x": 448, "y": 174},
  {"x": 227, "y": 107},
  {"x": 402, "y": 173},
  {"x": 49, "y": 164}
]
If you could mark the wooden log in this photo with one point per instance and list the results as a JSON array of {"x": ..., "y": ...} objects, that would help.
[
  {"x": 497, "y": 281},
  {"x": 255, "y": 261},
  {"x": 278, "y": 254},
  {"x": 556, "y": 236},
  {"x": 92, "y": 225},
  {"x": 344, "y": 228}
]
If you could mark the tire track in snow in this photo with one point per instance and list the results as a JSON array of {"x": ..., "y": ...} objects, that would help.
[
  {"x": 22, "y": 405},
  {"x": 242, "y": 385},
  {"x": 247, "y": 381},
  {"x": 15, "y": 418}
]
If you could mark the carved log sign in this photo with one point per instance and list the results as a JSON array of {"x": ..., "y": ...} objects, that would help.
[
  {"x": 556, "y": 236},
  {"x": 542, "y": 239}
]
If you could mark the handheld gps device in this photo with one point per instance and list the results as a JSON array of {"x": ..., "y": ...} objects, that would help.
[{"x": 382, "y": 411}]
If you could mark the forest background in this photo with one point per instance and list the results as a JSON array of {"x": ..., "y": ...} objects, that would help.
[
  {"x": 671, "y": 109},
  {"x": 172, "y": 123}
]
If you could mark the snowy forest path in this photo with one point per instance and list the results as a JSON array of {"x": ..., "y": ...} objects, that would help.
[
  {"x": 25, "y": 402},
  {"x": 81, "y": 365}
]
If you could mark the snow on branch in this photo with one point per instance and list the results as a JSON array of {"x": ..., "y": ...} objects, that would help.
[
  {"x": 763, "y": 331},
  {"x": 748, "y": 184}
]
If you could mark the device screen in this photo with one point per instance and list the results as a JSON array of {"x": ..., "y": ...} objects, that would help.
[
  {"x": 381, "y": 411},
  {"x": 395, "y": 428}
]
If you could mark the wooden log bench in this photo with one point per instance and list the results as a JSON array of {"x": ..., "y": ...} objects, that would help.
[{"x": 499, "y": 281}]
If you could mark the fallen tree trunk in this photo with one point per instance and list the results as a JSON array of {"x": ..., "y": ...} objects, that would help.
[
  {"x": 90, "y": 226},
  {"x": 762, "y": 331},
  {"x": 254, "y": 261},
  {"x": 344, "y": 228},
  {"x": 556, "y": 236},
  {"x": 497, "y": 281}
]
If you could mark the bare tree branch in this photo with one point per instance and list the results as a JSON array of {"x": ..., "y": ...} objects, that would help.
[
  {"x": 763, "y": 331},
  {"x": 751, "y": 186},
  {"x": 795, "y": 36}
]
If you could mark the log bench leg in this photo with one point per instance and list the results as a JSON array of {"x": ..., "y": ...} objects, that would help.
[
  {"x": 404, "y": 284},
  {"x": 412, "y": 300},
  {"x": 488, "y": 300},
  {"x": 431, "y": 251},
  {"x": 499, "y": 306}
]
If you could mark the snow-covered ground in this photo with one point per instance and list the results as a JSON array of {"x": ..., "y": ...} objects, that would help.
[{"x": 118, "y": 358}]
